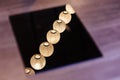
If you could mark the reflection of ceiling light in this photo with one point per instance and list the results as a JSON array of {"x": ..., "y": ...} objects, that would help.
[
  {"x": 38, "y": 61},
  {"x": 29, "y": 71},
  {"x": 69, "y": 8},
  {"x": 53, "y": 36},
  {"x": 59, "y": 25},
  {"x": 65, "y": 16},
  {"x": 46, "y": 49}
]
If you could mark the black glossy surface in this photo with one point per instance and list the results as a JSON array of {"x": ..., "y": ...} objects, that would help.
[{"x": 75, "y": 45}]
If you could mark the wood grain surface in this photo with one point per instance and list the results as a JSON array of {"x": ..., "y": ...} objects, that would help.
[{"x": 100, "y": 17}]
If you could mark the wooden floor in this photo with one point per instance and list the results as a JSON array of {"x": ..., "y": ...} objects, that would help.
[{"x": 102, "y": 20}]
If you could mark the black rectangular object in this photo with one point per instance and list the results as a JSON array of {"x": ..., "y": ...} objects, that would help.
[{"x": 75, "y": 45}]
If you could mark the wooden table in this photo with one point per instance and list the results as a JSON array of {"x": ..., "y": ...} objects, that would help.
[{"x": 102, "y": 20}]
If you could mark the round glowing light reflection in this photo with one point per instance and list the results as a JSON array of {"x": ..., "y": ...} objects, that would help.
[
  {"x": 46, "y": 49},
  {"x": 38, "y": 61},
  {"x": 59, "y": 25},
  {"x": 53, "y": 36},
  {"x": 69, "y": 8},
  {"x": 65, "y": 16},
  {"x": 29, "y": 71}
]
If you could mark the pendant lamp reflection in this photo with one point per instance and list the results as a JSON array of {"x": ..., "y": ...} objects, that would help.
[
  {"x": 65, "y": 16},
  {"x": 38, "y": 61},
  {"x": 46, "y": 49},
  {"x": 59, "y": 25},
  {"x": 69, "y": 8},
  {"x": 53, "y": 36},
  {"x": 29, "y": 71}
]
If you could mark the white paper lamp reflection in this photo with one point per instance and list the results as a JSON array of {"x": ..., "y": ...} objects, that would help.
[
  {"x": 59, "y": 25},
  {"x": 53, "y": 36},
  {"x": 46, "y": 49},
  {"x": 29, "y": 71},
  {"x": 38, "y": 61},
  {"x": 65, "y": 16},
  {"x": 69, "y": 8}
]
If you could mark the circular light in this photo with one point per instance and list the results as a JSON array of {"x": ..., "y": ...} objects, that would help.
[
  {"x": 53, "y": 36},
  {"x": 46, "y": 49},
  {"x": 69, "y": 8},
  {"x": 59, "y": 25},
  {"x": 65, "y": 16},
  {"x": 29, "y": 71},
  {"x": 38, "y": 61}
]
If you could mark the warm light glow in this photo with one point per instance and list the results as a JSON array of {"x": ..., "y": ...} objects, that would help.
[
  {"x": 65, "y": 16},
  {"x": 69, "y": 8},
  {"x": 37, "y": 56},
  {"x": 29, "y": 72},
  {"x": 46, "y": 49},
  {"x": 38, "y": 61},
  {"x": 53, "y": 36},
  {"x": 59, "y": 25}
]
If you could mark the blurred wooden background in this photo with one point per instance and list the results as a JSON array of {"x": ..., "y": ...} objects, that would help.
[{"x": 102, "y": 20}]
